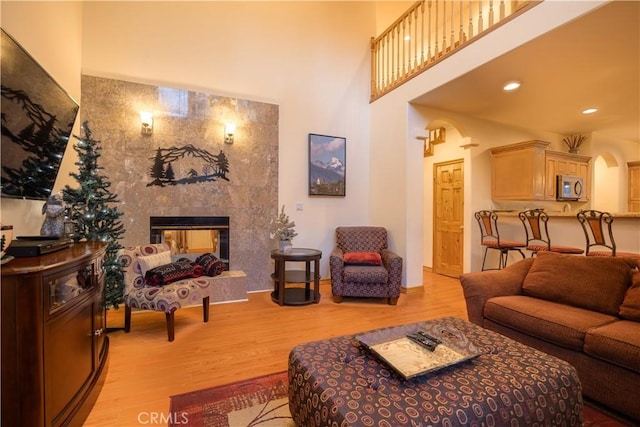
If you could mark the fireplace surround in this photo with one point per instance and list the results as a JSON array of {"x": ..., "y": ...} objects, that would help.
[
  {"x": 249, "y": 197},
  {"x": 191, "y": 236}
]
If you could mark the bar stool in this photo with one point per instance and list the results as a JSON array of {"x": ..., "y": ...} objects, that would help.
[
  {"x": 538, "y": 240},
  {"x": 490, "y": 239},
  {"x": 598, "y": 232}
]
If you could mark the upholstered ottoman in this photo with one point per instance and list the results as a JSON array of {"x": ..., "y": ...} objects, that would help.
[{"x": 339, "y": 382}]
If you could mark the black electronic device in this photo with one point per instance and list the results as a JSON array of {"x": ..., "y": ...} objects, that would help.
[
  {"x": 26, "y": 247},
  {"x": 423, "y": 341},
  {"x": 38, "y": 237},
  {"x": 37, "y": 120}
]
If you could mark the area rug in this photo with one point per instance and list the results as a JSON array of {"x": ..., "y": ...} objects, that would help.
[
  {"x": 264, "y": 402},
  {"x": 261, "y": 402}
]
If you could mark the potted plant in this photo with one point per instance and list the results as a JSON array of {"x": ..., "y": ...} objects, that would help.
[
  {"x": 574, "y": 142},
  {"x": 284, "y": 230}
]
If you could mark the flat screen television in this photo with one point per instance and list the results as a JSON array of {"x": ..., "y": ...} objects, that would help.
[{"x": 37, "y": 120}]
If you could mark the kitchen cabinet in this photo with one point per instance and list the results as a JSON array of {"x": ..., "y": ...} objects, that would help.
[
  {"x": 559, "y": 163},
  {"x": 54, "y": 351},
  {"x": 633, "y": 202},
  {"x": 527, "y": 171},
  {"x": 517, "y": 171}
]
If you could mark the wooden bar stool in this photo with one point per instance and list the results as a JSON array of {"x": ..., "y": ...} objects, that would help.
[
  {"x": 490, "y": 239},
  {"x": 538, "y": 240},
  {"x": 598, "y": 233}
]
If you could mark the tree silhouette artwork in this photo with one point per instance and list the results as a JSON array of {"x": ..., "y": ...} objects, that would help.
[
  {"x": 187, "y": 165},
  {"x": 31, "y": 154},
  {"x": 37, "y": 117}
]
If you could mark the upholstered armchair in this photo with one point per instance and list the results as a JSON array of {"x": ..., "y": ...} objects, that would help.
[
  {"x": 167, "y": 298},
  {"x": 362, "y": 265}
]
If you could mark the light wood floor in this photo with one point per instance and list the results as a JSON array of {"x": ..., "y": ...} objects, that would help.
[{"x": 241, "y": 340}]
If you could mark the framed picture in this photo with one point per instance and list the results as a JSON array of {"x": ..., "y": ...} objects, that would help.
[{"x": 327, "y": 165}]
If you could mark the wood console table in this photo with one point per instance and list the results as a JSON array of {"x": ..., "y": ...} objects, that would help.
[
  {"x": 54, "y": 350},
  {"x": 284, "y": 295}
]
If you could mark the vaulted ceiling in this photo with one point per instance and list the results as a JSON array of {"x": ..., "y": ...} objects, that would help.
[{"x": 593, "y": 61}]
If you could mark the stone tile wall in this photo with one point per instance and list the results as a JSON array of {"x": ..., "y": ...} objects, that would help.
[{"x": 249, "y": 196}]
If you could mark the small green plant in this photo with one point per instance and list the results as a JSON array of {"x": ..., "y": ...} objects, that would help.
[{"x": 282, "y": 228}]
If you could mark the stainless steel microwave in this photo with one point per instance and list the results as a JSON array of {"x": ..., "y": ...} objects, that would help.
[{"x": 569, "y": 187}]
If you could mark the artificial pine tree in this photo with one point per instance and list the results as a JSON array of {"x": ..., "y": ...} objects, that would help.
[{"x": 95, "y": 219}]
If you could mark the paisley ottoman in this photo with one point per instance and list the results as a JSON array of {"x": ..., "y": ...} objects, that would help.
[{"x": 340, "y": 382}]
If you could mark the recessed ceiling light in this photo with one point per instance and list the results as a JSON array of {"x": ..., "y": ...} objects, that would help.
[
  {"x": 511, "y": 86},
  {"x": 407, "y": 38},
  {"x": 589, "y": 111}
]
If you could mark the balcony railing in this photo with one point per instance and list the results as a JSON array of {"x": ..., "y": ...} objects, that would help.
[{"x": 430, "y": 31}]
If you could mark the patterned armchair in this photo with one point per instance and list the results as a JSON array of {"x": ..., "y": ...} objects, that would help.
[
  {"x": 166, "y": 298},
  {"x": 356, "y": 270}
]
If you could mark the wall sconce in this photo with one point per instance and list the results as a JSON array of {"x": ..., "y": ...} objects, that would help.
[
  {"x": 229, "y": 131},
  {"x": 146, "y": 120}
]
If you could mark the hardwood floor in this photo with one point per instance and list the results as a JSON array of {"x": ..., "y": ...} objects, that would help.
[{"x": 241, "y": 340}]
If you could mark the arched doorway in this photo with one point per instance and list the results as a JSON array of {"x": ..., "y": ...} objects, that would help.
[{"x": 606, "y": 184}]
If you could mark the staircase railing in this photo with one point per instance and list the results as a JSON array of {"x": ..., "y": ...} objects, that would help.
[{"x": 430, "y": 31}]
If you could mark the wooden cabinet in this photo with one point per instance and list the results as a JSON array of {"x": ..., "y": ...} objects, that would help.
[
  {"x": 633, "y": 201},
  {"x": 517, "y": 171},
  {"x": 527, "y": 171},
  {"x": 559, "y": 163},
  {"x": 54, "y": 351}
]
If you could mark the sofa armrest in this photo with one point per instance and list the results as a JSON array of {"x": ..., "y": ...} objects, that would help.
[
  {"x": 336, "y": 266},
  {"x": 393, "y": 263},
  {"x": 478, "y": 287}
]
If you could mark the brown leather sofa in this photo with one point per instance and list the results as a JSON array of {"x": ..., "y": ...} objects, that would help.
[{"x": 585, "y": 310}]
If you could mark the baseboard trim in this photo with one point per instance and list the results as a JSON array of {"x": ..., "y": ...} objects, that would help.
[{"x": 412, "y": 290}]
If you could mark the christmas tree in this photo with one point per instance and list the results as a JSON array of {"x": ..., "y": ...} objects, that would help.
[{"x": 94, "y": 216}]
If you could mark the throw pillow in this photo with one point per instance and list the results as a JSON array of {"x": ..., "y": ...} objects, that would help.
[
  {"x": 148, "y": 262},
  {"x": 630, "y": 308},
  {"x": 589, "y": 282},
  {"x": 211, "y": 265},
  {"x": 173, "y": 272},
  {"x": 362, "y": 258}
]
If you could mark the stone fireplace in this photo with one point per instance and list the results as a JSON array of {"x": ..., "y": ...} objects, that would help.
[
  {"x": 246, "y": 194},
  {"x": 191, "y": 236}
]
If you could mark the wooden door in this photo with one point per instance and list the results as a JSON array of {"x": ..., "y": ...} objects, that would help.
[{"x": 448, "y": 218}]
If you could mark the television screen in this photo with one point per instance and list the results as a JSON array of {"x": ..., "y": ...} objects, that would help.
[{"x": 37, "y": 120}]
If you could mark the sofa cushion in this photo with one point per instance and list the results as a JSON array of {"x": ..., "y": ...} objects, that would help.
[
  {"x": 556, "y": 323},
  {"x": 630, "y": 308},
  {"x": 365, "y": 274},
  {"x": 594, "y": 283},
  {"x": 617, "y": 343}
]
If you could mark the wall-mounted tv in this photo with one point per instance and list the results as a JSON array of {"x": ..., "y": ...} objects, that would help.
[{"x": 37, "y": 120}]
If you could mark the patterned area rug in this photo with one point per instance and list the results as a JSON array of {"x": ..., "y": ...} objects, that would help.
[
  {"x": 263, "y": 402},
  {"x": 260, "y": 402}
]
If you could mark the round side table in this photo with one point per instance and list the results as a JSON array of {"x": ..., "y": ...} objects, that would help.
[{"x": 284, "y": 295}]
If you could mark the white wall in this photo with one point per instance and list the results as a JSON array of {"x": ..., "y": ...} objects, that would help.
[
  {"x": 52, "y": 34},
  {"x": 397, "y": 196},
  {"x": 310, "y": 58}
]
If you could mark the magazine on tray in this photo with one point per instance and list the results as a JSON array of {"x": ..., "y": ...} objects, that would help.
[{"x": 418, "y": 349}]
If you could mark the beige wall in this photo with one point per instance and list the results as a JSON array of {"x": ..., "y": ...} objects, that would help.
[
  {"x": 309, "y": 58},
  {"x": 247, "y": 195}
]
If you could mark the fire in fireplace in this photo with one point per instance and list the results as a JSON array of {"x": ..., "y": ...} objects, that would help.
[{"x": 192, "y": 235}]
